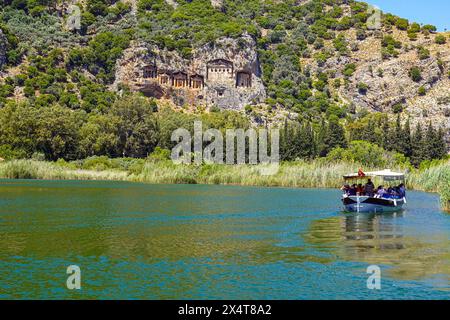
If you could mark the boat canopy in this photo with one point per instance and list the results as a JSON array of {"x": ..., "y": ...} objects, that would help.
[{"x": 386, "y": 174}]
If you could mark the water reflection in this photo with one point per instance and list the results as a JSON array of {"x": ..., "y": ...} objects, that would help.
[
  {"x": 380, "y": 239},
  {"x": 142, "y": 241}
]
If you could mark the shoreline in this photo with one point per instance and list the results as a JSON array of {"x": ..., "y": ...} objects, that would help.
[{"x": 299, "y": 174}]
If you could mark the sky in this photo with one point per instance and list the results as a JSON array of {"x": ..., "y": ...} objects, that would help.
[{"x": 435, "y": 12}]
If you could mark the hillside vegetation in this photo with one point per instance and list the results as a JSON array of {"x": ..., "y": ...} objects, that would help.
[{"x": 330, "y": 78}]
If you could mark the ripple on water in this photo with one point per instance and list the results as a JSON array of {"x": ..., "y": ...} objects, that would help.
[{"x": 137, "y": 241}]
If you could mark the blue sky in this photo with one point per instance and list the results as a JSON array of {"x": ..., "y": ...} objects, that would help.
[{"x": 436, "y": 12}]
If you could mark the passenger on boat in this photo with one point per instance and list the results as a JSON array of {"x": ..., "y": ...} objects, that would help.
[
  {"x": 380, "y": 192},
  {"x": 345, "y": 188},
  {"x": 352, "y": 191},
  {"x": 402, "y": 190},
  {"x": 369, "y": 188},
  {"x": 360, "y": 189}
]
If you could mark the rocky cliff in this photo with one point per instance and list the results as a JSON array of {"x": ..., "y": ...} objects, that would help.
[
  {"x": 225, "y": 73},
  {"x": 382, "y": 84}
]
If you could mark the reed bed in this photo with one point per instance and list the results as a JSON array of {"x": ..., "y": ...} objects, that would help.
[
  {"x": 436, "y": 178},
  {"x": 31, "y": 169},
  {"x": 299, "y": 174}
]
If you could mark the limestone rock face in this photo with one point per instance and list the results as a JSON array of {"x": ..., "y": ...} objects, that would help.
[
  {"x": 389, "y": 83},
  {"x": 3, "y": 43},
  {"x": 393, "y": 85},
  {"x": 225, "y": 74}
]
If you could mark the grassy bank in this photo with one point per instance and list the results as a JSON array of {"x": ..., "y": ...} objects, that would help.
[
  {"x": 435, "y": 178},
  {"x": 300, "y": 174},
  {"x": 319, "y": 173}
]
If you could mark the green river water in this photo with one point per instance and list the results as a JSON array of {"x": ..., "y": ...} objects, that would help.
[{"x": 140, "y": 241}]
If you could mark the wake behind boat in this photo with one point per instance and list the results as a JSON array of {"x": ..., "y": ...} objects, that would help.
[{"x": 359, "y": 198}]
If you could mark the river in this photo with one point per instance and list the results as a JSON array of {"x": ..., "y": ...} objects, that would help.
[{"x": 140, "y": 241}]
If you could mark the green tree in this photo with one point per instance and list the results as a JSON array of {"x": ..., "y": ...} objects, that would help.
[
  {"x": 18, "y": 127},
  {"x": 335, "y": 136},
  {"x": 137, "y": 128},
  {"x": 57, "y": 132},
  {"x": 406, "y": 139},
  {"x": 402, "y": 137},
  {"x": 386, "y": 134},
  {"x": 419, "y": 150},
  {"x": 366, "y": 153},
  {"x": 99, "y": 136},
  {"x": 435, "y": 143}
]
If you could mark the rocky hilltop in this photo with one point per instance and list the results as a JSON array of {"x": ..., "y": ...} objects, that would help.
[
  {"x": 384, "y": 84},
  {"x": 269, "y": 58},
  {"x": 378, "y": 81}
]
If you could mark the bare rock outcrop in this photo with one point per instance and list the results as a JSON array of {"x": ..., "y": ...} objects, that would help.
[
  {"x": 389, "y": 83},
  {"x": 225, "y": 74},
  {"x": 377, "y": 84}
]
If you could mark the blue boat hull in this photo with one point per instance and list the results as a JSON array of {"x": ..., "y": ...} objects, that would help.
[{"x": 369, "y": 204}]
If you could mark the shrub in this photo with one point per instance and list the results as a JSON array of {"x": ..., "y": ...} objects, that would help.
[
  {"x": 380, "y": 72},
  {"x": 402, "y": 24},
  {"x": 397, "y": 108},
  {"x": 97, "y": 163},
  {"x": 362, "y": 88},
  {"x": 389, "y": 40},
  {"x": 414, "y": 28},
  {"x": 440, "y": 39},
  {"x": 422, "y": 91},
  {"x": 7, "y": 152},
  {"x": 429, "y": 28},
  {"x": 340, "y": 44},
  {"x": 367, "y": 153},
  {"x": 412, "y": 36},
  {"x": 349, "y": 69},
  {"x": 415, "y": 74},
  {"x": 423, "y": 53},
  {"x": 159, "y": 154},
  {"x": 389, "y": 46}
]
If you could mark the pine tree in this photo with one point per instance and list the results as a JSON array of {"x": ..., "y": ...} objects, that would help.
[
  {"x": 430, "y": 142},
  {"x": 419, "y": 147},
  {"x": 310, "y": 145},
  {"x": 284, "y": 136},
  {"x": 438, "y": 146},
  {"x": 402, "y": 138},
  {"x": 320, "y": 140},
  {"x": 386, "y": 131},
  {"x": 397, "y": 137},
  {"x": 406, "y": 137},
  {"x": 297, "y": 141},
  {"x": 368, "y": 133},
  {"x": 335, "y": 135}
]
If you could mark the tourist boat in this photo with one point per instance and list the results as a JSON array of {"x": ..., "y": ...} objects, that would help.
[{"x": 364, "y": 203}]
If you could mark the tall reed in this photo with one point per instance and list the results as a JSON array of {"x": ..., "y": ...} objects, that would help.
[
  {"x": 31, "y": 169},
  {"x": 433, "y": 179},
  {"x": 318, "y": 173}
]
